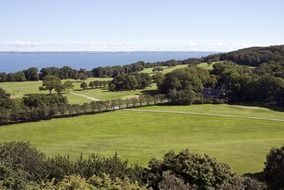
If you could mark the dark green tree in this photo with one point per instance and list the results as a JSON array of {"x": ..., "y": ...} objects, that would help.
[{"x": 49, "y": 83}]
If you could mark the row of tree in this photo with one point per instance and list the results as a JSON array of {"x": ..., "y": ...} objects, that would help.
[
  {"x": 45, "y": 106},
  {"x": 114, "y": 71},
  {"x": 23, "y": 167},
  {"x": 66, "y": 72},
  {"x": 99, "y": 83},
  {"x": 32, "y": 74}
]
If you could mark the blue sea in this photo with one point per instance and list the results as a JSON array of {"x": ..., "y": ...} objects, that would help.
[{"x": 16, "y": 61}]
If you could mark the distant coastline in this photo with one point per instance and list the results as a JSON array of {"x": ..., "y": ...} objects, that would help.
[{"x": 12, "y": 61}]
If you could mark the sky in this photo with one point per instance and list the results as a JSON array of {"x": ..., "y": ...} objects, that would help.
[{"x": 139, "y": 25}]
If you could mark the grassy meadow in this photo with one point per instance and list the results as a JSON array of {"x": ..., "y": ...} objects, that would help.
[{"x": 138, "y": 136}]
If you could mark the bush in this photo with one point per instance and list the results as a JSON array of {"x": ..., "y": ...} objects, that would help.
[
  {"x": 73, "y": 182},
  {"x": 243, "y": 183},
  {"x": 193, "y": 169},
  {"x": 274, "y": 169},
  {"x": 105, "y": 183},
  {"x": 12, "y": 178},
  {"x": 21, "y": 156},
  {"x": 173, "y": 183}
]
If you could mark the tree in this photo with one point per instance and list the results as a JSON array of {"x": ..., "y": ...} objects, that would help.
[
  {"x": 158, "y": 78},
  {"x": 59, "y": 88},
  {"x": 84, "y": 85},
  {"x": 92, "y": 84},
  {"x": 31, "y": 74},
  {"x": 182, "y": 97},
  {"x": 49, "y": 83},
  {"x": 183, "y": 85},
  {"x": 68, "y": 85},
  {"x": 130, "y": 82}
]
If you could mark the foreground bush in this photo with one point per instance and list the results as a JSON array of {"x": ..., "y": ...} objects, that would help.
[
  {"x": 21, "y": 156},
  {"x": 105, "y": 183},
  {"x": 24, "y": 168},
  {"x": 274, "y": 169},
  {"x": 193, "y": 169},
  {"x": 75, "y": 182},
  {"x": 243, "y": 183}
]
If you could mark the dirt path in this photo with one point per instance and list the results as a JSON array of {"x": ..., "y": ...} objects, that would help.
[
  {"x": 85, "y": 96},
  {"x": 206, "y": 114}
]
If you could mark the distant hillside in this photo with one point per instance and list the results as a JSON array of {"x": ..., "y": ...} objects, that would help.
[{"x": 253, "y": 56}]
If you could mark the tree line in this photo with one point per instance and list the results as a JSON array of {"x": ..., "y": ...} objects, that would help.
[
  {"x": 254, "y": 56},
  {"x": 36, "y": 107},
  {"x": 33, "y": 74},
  {"x": 23, "y": 167},
  {"x": 66, "y": 72}
]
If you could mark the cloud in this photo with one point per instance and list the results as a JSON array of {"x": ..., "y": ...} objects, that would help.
[{"x": 116, "y": 46}]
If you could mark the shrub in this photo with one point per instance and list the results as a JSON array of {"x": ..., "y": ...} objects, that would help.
[
  {"x": 105, "y": 183},
  {"x": 193, "y": 169},
  {"x": 243, "y": 183},
  {"x": 173, "y": 183},
  {"x": 73, "y": 182},
  {"x": 12, "y": 178},
  {"x": 274, "y": 169},
  {"x": 20, "y": 155}
]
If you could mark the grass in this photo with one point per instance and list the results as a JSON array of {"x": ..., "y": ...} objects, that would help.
[
  {"x": 166, "y": 69},
  {"x": 170, "y": 69},
  {"x": 207, "y": 65},
  {"x": 139, "y": 136},
  {"x": 19, "y": 89}
]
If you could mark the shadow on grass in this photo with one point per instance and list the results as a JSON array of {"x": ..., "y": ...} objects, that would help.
[{"x": 150, "y": 92}]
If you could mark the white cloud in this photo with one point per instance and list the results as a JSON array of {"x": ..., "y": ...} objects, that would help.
[{"x": 117, "y": 46}]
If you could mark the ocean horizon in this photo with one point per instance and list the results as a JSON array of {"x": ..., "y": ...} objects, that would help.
[{"x": 16, "y": 61}]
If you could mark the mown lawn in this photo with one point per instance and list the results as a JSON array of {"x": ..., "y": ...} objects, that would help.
[{"x": 139, "y": 136}]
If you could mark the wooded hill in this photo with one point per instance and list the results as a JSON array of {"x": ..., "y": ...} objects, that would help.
[{"x": 253, "y": 56}]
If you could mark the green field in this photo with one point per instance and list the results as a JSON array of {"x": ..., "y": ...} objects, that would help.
[
  {"x": 166, "y": 69},
  {"x": 138, "y": 136}
]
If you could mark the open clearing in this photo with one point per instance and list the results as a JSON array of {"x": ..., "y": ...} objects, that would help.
[{"x": 138, "y": 136}]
